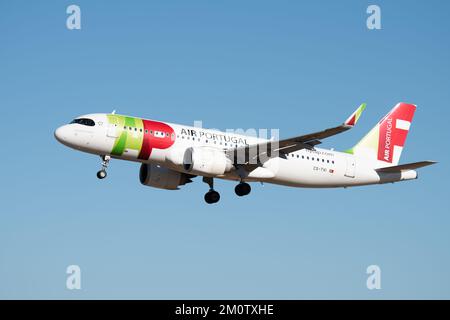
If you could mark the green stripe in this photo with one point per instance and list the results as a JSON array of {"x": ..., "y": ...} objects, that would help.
[{"x": 127, "y": 140}]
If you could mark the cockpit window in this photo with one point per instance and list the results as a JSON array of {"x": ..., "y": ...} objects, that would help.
[{"x": 84, "y": 121}]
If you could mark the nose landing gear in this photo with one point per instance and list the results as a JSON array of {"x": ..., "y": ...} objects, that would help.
[
  {"x": 105, "y": 162},
  {"x": 212, "y": 196},
  {"x": 101, "y": 174}
]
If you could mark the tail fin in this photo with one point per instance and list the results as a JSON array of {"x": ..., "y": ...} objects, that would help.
[{"x": 384, "y": 143}]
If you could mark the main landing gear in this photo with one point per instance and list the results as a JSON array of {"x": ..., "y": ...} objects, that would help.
[
  {"x": 242, "y": 189},
  {"x": 212, "y": 196},
  {"x": 105, "y": 162}
]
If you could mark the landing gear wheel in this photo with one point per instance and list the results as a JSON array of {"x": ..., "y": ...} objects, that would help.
[
  {"x": 105, "y": 162},
  {"x": 101, "y": 174},
  {"x": 242, "y": 189},
  {"x": 212, "y": 197}
]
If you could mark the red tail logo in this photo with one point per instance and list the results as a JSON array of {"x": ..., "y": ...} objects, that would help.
[{"x": 394, "y": 129}]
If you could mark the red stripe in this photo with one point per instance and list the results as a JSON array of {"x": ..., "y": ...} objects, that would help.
[{"x": 146, "y": 148}]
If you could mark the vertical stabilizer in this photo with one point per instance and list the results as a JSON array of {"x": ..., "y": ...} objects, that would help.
[{"x": 385, "y": 142}]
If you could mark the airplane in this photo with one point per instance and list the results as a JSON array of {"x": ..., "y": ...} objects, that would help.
[{"x": 172, "y": 154}]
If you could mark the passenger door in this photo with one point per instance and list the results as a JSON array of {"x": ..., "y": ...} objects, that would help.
[
  {"x": 112, "y": 131},
  {"x": 351, "y": 166}
]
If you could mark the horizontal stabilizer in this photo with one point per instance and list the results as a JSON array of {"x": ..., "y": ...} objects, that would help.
[{"x": 407, "y": 166}]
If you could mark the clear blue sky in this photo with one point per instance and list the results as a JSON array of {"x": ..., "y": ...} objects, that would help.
[{"x": 297, "y": 66}]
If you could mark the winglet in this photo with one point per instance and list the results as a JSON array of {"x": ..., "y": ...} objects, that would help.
[{"x": 351, "y": 121}]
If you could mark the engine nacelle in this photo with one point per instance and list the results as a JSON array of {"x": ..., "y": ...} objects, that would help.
[
  {"x": 163, "y": 178},
  {"x": 204, "y": 160}
]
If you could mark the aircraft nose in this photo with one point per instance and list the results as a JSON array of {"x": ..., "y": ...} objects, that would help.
[{"x": 61, "y": 134}]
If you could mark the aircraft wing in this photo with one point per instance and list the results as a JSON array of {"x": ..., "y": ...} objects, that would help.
[{"x": 257, "y": 153}]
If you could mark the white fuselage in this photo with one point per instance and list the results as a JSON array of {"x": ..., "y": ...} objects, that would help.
[{"x": 317, "y": 168}]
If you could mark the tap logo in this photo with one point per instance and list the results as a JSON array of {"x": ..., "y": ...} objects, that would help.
[{"x": 139, "y": 137}]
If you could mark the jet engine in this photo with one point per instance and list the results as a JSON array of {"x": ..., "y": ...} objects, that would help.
[
  {"x": 208, "y": 161},
  {"x": 163, "y": 178}
]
